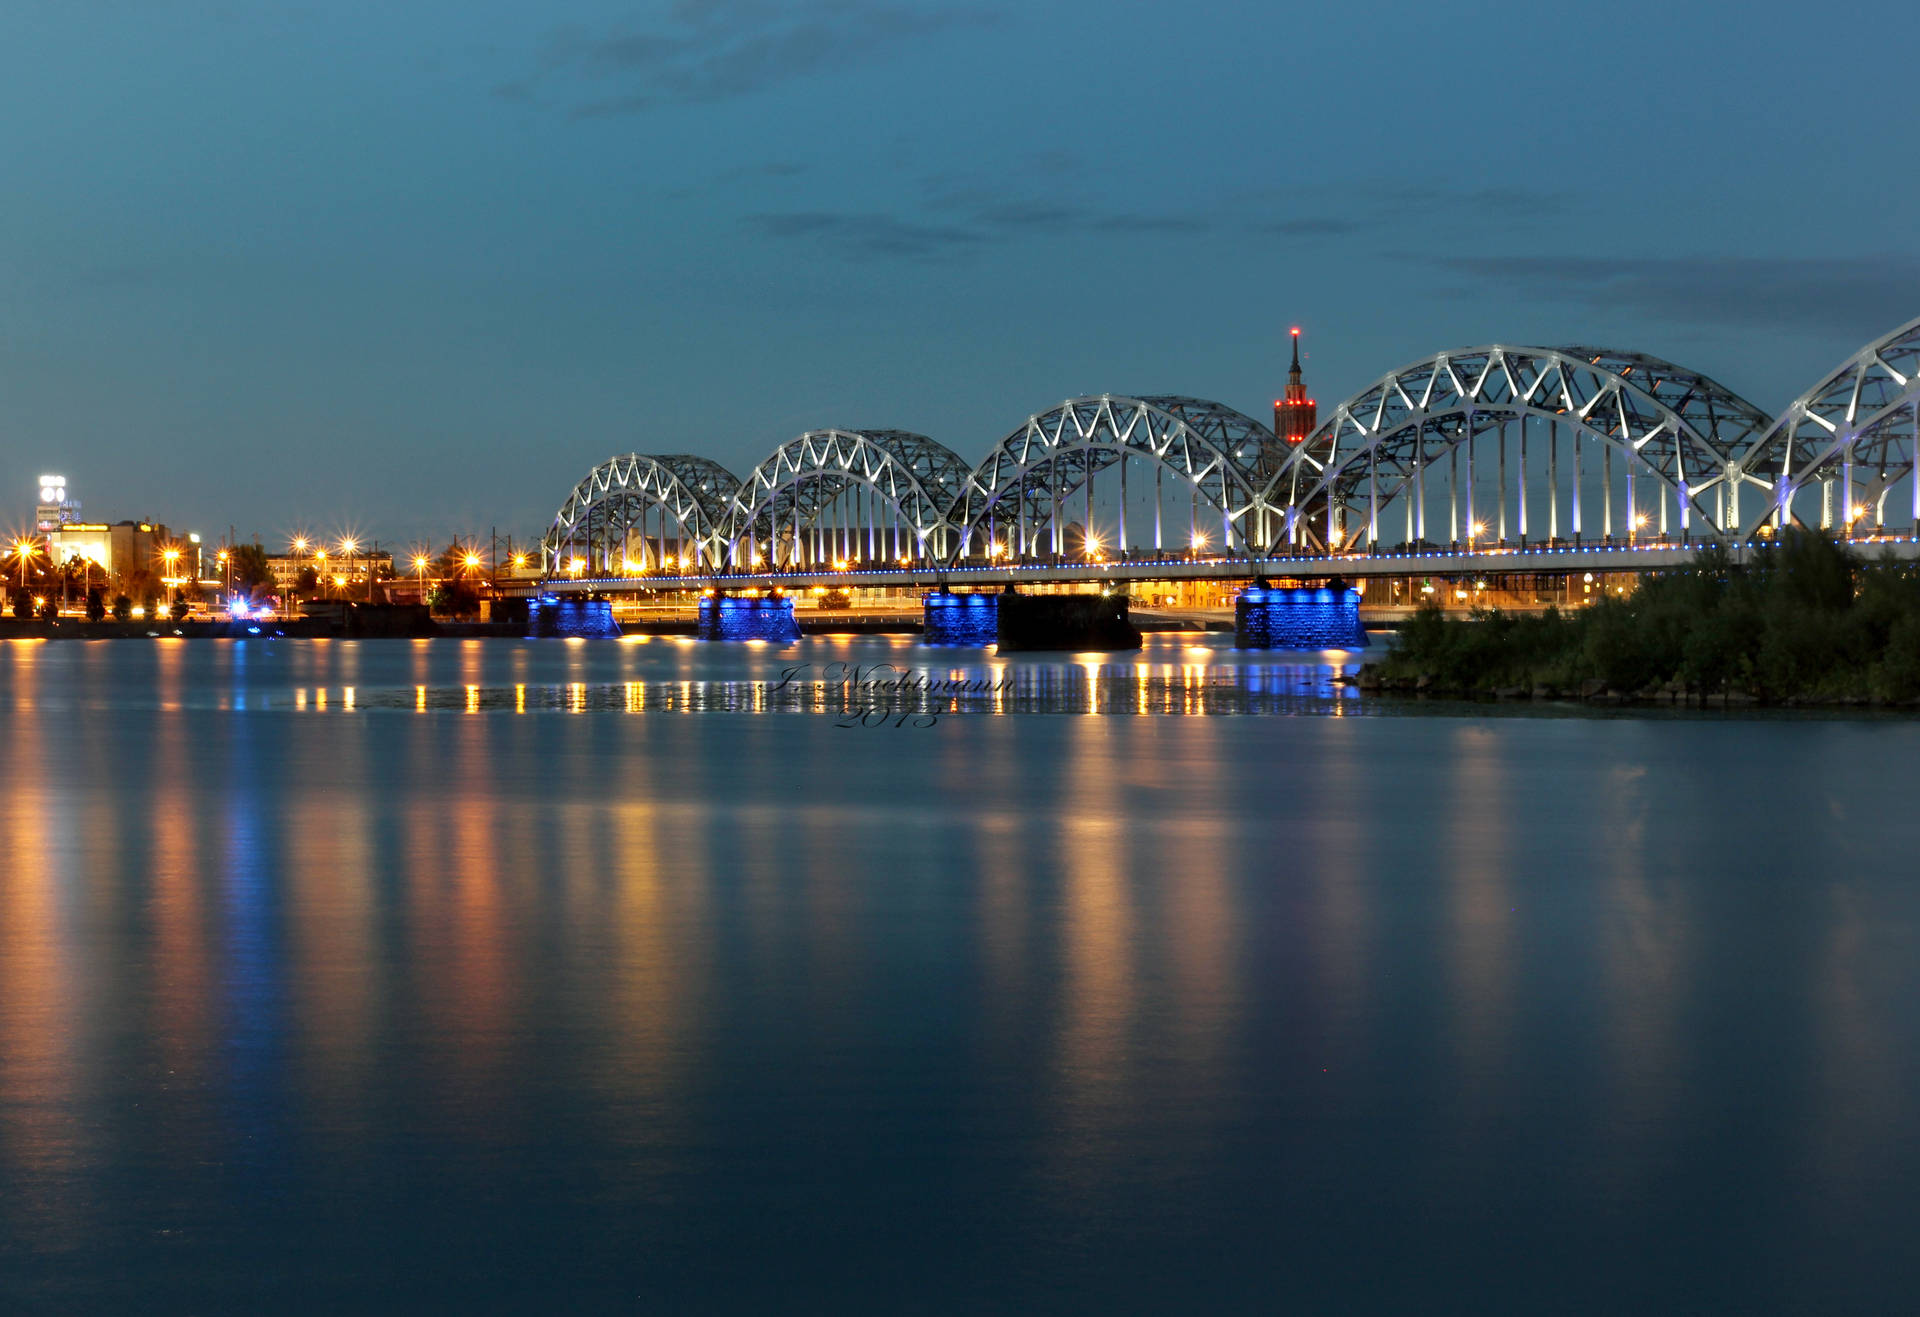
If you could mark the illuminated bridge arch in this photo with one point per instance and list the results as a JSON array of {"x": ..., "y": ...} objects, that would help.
[
  {"x": 1651, "y": 422},
  {"x": 642, "y": 512},
  {"x": 846, "y": 495},
  {"x": 1851, "y": 437},
  {"x": 1020, "y": 498}
]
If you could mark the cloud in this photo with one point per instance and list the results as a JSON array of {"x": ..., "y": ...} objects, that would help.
[
  {"x": 1312, "y": 226},
  {"x": 714, "y": 50},
  {"x": 868, "y": 235},
  {"x": 1858, "y": 295},
  {"x": 1379, "y": 205},
  {"x": 964, "y": 228}
]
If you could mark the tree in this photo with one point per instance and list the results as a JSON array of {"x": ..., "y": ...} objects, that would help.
[
  {"x": 22, "y": 605},
  {"x": 306, "y": 582},
  {"x": 142, "y": 585},
  {"x": 453, "y": 597},
  {"x": 122, "y": 607},
  {"x": 248, "y": 566},
  {"x": 96, "y": 605},
  {"x": 49, "y": 610}
]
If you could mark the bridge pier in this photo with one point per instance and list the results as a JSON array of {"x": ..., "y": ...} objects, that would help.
[
  {"x": 1324, "y": 617},
  {"x": 1064, "y": 622},
  {"x": 970, "y": 620},
  {"x": 747, "y": 617},
  {"x": 554, "y": 617}
]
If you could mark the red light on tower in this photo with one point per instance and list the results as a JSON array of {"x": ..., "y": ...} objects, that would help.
[{"x": 1294, "y": 416}]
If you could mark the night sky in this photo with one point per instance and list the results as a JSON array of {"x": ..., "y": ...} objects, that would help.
[{"x": 410, "y": 269}]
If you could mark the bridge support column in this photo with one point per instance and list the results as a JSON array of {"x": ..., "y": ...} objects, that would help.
[{"x": 1306, "y": 619}]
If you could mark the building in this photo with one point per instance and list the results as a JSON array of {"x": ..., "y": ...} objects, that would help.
[
  {"x": 121, "y": 548},
  {"x": 1295, "y": 415},
  {"x": 347, "y": 573}
]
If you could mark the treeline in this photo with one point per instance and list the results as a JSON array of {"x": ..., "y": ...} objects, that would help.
[{"x": 1806, "y": 622}]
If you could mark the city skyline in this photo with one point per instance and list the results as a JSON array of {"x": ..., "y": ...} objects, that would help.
[{"x": 379, "y": 273}]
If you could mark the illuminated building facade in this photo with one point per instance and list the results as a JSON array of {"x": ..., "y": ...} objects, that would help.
[
  {"x": 118, "y": 549},
  {"x": 338, "y": 570},
  {"x": 1295, "y": 415}
]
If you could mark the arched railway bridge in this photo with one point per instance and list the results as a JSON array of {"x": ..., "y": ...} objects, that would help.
[{"x": 1500, "y": 457}]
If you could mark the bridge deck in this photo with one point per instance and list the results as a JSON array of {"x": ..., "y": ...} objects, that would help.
[{"x": 1554, "y": 560}]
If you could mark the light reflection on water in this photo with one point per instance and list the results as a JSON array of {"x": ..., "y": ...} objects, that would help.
[
  {"x": 346, "y": 1013},
  {"x": 827, "y": 675}
]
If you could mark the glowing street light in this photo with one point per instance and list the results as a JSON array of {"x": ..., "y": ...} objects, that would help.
[
  {"x": 24, "y": 550},
  {"x": 172, "y": 559}
]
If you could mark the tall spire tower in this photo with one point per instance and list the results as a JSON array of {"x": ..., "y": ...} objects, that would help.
[{"x": 1294, "y": 416}]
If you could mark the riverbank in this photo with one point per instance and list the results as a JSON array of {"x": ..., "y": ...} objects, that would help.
[{"x": 1812, "y": 624}]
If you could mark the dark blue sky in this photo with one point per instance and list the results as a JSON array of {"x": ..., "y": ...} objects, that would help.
[{"x": 412, "y": 268}]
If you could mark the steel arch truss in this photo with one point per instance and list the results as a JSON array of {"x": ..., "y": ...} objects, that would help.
[
  {"x": 1225, "y": 456},
  {"x": 916, "y": 478},
  {"x": 1680, "y": 426},
  {"x": 606, "y": 510},
  {"x": 1854, "y": 432}
]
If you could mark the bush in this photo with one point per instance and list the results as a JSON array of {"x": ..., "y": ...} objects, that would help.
[
  {"x": 122, "y": 608},
  {"x": 1897, "y": 676},
  {"x": 454, "y": 598},
  {"x": 1718, "y": 653},
  {"x": 1808, "y": 620},
  {"x": 96, "y": 606},
  {"x": 22, "y": 605}
]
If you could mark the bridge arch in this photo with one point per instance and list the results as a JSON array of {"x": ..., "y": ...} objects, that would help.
[
  {"x": 626, "y": 506},
  {"x": 1023, "y": 490},
  {"x": 1680, "y": 429},
  {"x": 853, "y": 495},
  {"x": 1853, "y": 434}
]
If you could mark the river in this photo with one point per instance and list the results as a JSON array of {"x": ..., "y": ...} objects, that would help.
[{"x": 651, "y": 976}]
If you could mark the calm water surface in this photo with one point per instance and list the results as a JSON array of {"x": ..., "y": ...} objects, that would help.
[{"x": 534, "y": 977}]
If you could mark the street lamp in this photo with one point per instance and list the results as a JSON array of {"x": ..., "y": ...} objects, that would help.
[
  {"x": 172, "y": 559},
  {"x": 24, "y": 550}
]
